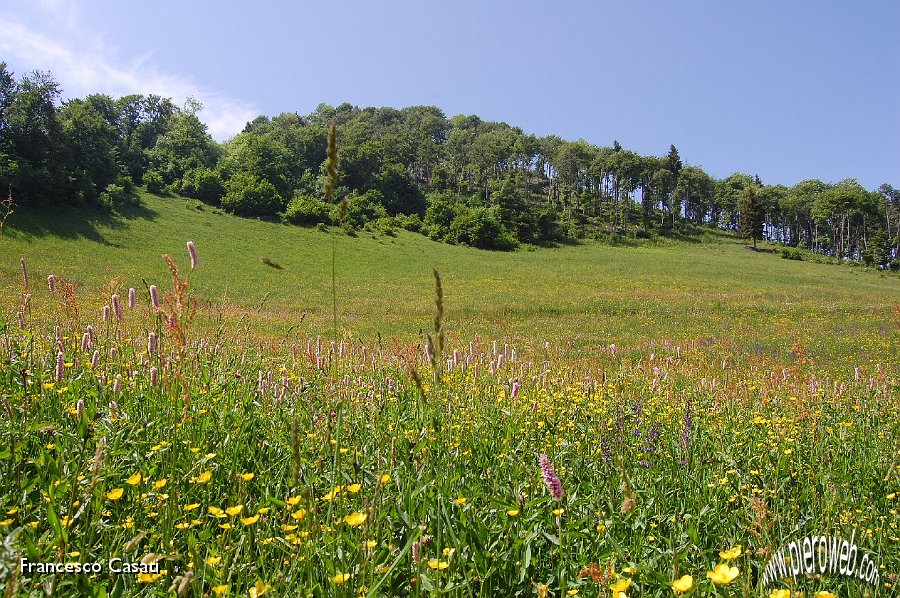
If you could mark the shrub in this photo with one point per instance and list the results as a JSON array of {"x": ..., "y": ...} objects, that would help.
[
  {"x": 154, "y": 182},
  {"x": 791, "y": 253},
  {"x": 307, "y": 210},
  {"x": 248, "y": 196},
  {"x": 116, "y": 196},
  {"x": 481, "y": 228},
  {"x": 361, "y": 209},
  {"x": 204, "y": 184}
]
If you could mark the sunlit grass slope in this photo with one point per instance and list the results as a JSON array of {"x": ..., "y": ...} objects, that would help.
[{"x": 586, "y": 295}]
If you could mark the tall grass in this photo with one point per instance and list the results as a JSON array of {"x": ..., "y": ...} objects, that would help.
[{"x": 286, "y": 466}]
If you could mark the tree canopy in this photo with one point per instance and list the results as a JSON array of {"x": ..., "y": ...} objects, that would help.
[{"x": 460, "y": 179}]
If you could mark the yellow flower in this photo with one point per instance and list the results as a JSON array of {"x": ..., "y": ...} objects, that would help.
[
  {"x": 134, "y": 480},
  {"x": 299, "y": 514},
  {"x": 213, "y": 560},
  {"x": 385, "y": 478},
  {"x": 558, "y": 512},
  {"x": 340, "y": 578},
  {"x": 217, "y": 512},
  {"x": 203, "y": 478},
  {"x": 232, "y": 511},
  {"x": 247, "y": 476},
  {"x": 6, "y": 522},
  {"x": 542, "y": 590},
  {"x": 249, "y": 520},
  {"x": 436, "y": 564},
  {"x": 263, "y": 510},
  {"x": 371, "y": 544},
  {"x": 159, "y": 484},
  {"x": 512, "y": 512},
  {"x": 824, "y": 594},
  {"x": 723, "y": 574},
  {"x": 460, "y": 501},
  {"x": 258, "y": 589},
  {"x": 288, "y": 528},
  {"x": 629, "y": 570},
  {"x": 355, "y": 519},
  {"x": 148, "y": 577},
  {"x": 225, "y": 526},
  {"x": 292, "y": 501},
  {"x": 220, "y": 590},
  {"x": 732, "y": 553},
  {"x": 572, "y": 592},
  {"x": 354, "y": 488},
  {"x": 191, "y": 506},
  {"x": 210, "y": 455},
  {"x": 115, "y": 493},
  {"x": 680, "y": 586},
  {"x": 621, "y": 585}
]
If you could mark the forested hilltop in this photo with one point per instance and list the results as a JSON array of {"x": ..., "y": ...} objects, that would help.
[{"x": 459, "y": 180}]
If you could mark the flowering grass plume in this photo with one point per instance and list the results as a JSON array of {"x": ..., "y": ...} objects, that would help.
[
  {"x": 192, "y": 250},
  {"x": 551, "y": 480}
]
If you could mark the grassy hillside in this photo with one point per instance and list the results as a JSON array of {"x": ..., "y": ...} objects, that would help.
[
  {"x": 586, "y": 295},
  {"x": 750, "y": 401}
]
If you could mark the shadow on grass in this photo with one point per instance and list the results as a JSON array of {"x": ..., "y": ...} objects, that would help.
[{"x": 65, "y": 221}]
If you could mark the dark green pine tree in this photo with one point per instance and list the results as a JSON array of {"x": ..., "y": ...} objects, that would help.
[{"x": 752, "y": 215}]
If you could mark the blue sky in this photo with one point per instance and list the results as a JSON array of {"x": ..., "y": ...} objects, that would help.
[{"x": 786, "y": 90}]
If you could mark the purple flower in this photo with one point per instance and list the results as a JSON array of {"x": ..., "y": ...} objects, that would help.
[
  {"x": 95, "y": 360},
  {"x": 551, "y": 480},
  {"x": 151, "y": 343},
  {"x": 51, "y": 282},
  {"x": 154, "y": 376},
  {"x": 106, "y": 313}
]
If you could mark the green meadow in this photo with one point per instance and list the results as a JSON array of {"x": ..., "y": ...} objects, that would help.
[
  {"x": 656, "y": 419},
  {"x": 586, "y": 295}
]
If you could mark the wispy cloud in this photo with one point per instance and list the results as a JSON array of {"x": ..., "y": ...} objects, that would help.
[{"x": 84, "y": 67}]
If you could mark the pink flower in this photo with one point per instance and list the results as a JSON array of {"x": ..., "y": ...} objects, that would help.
[
  {"x": 193, "y": 251},
  {"x": 132, "y": 298},
  {"x": 551, "y": 480},
  {"x": 117, "y": 306},
  {"x": 117, "y": 384},
  {"x": 79, "y": 408},
  {"x": 515, "y": 388},
  {"x": 106, "y": 313},
  {"x": 51, "y": 282},
  {"x": 154, "y": 376},
  {"x": 154, "y": 297},
  {"x": 85, "y": 342},
  {"x": 151, "y": 343},
  {"x": 95, "y": 359}
]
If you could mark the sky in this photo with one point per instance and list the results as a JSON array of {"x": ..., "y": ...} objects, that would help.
[{"x": 785, "y": 90}]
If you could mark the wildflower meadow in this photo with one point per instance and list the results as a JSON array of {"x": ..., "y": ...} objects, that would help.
[{"x": 153, "y": 445}]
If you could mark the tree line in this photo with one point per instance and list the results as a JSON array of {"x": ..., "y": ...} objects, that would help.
[{"x": 459, "y": 180}]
